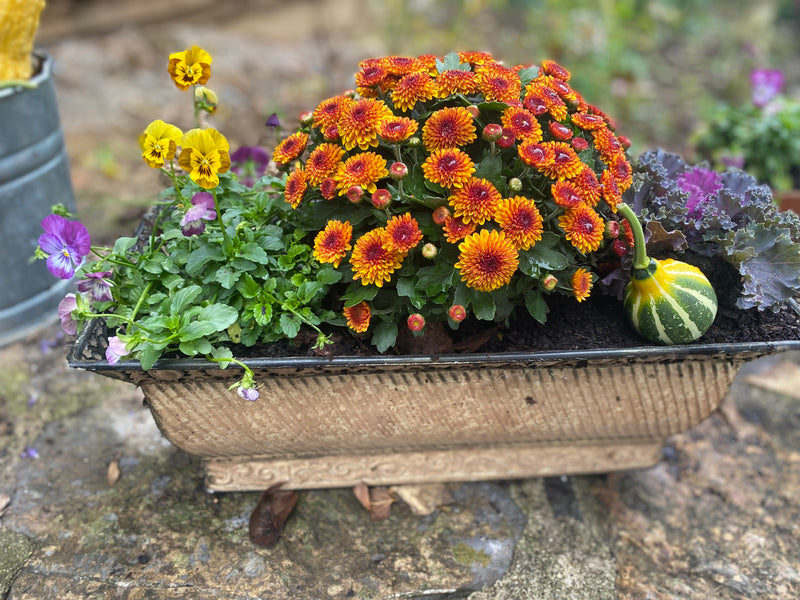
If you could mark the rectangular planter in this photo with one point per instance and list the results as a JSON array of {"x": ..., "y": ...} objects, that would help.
[{"x": 386, "y": 420}]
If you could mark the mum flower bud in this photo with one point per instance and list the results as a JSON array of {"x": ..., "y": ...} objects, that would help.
[
  {"x": 429, "y": 251},
  {"x": 619, "y": 247},
  {"x": 579, "y": 144},
  {"x": 381, "y": 199},
  {"x": 414, "y": 142},
  {"x": 549, "y": 282},
  {"x": 416, "y": 322},
  {"x": 306, "y": 118},
  {"x": 398, "y": 171},
  {"x": 457, "y": 312},
  {"x": 331, "y": 134},
  {"x": 492, "y": 132},
  {"x": 440, "y": 215},
  {"x": 612, "y": 230},
  {"x": 473, "y": 110},
  {"x": 507, "y": 139},
  {"x": 355, "y": 193},
  {"x": 515, "y": 184}
]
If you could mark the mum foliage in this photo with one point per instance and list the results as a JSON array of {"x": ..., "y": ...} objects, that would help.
[{"x": 457, "y": 181}]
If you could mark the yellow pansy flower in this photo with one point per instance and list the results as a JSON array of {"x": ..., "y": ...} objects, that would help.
[
  {"x": 204, "y": 155},
  {"x": 159, "y": 143},
  {"x": 190, "y": 67}
]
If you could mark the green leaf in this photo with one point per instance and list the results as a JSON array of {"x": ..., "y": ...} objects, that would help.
[
  {"x": 221, "y": 352},
  {"x": 247, "y": 286},
  {"x": 227, "y": 276},
  {"x": 406, "y": 286},
  {"x": 200, "y": 257},
  {"x": 149, "y": 355},
  {"x": 123, "y": 244},
  {"x": 483, "y": 306},
  {"x": 536, "y": 305},
  {"x": 194, "y": 347},
  {"x": 255, "y": 253},
  {"x": 357, "y": 292},
  {"x": 210, "y": 319},
  {"x": 527, "y": 75},
  {"x": 450, "y": 62},
  {"x": 290, "y": 325},
  {"x": 183, "y": 298},
  {"x": 328, "y": 276},
  {"x": 385, "y": 335}
]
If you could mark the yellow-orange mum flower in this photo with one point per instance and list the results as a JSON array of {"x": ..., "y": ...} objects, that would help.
[
  {"x": 204, "y": 155},
  {"x": 363, "y": 170},
  {"x": 621, "y": 170},
  {"x": 372, "y": 78},
  {"x": 290, "y": 148},
  {"x": 581, "y": 284},
  {"x": 566, "y": 163},
  {"x": 332, "y": 243},
  {"x": 584, "y": 228},
  {"x": 328, "y": 111},
  {"x": 611, "y": 192},
  {"x": 567, "y": 194},
  {"x": 295, "y": 189},
  {"x": 358, "y": 316},
  {"x": 455, "y": 229},
  {"x": 359, "y": 121},
  {"x": 190, "y": 67},
  {"x": 539, "y": 99},
  {"x": 607, "y": 144},
  {"x": 397, "y": 129},
  {"x": 474, "y": 58},
  {"x": 487, "y": 260},
  {"x": 555, "y": 70},
  {"x": 589, "y": 186},
  {"x": 498, "y": 83},
  {"x": 373, "y": 261},
  {"x": 449, "y": 167},
  {"x": 540, "y": 156},
  {"x": 456, "y": 81},
  {"x": 588, "y": 122},
  {"x": 403, "y": 65},
  {"x": 449, "y": 127},
  {"x": 323, "y": 162},
  {"x": 413, "y": 88},
  {"x": 520, "y": 220},
  {"x": 522, "y": 123},
  {"x": 475, "y": 201},
  {"x": 159, "y": 143},
  {"x": 402, "y": 233}
]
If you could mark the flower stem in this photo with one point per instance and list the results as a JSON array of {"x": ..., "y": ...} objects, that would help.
[{"x": 640, "y": 258}]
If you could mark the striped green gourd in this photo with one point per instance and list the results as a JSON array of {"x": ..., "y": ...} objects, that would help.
[{"x": 667, "y": 301}]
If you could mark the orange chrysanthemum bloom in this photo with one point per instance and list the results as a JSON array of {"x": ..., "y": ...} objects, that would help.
[
  {"x": 328, "y": 111},
  {"x": 559, "y": 87},
  {"x": 371, "y": 80},
  {"x": 359, "y": 120},
  {"x": 581, "y": 284},
  {"x": 403, "y": 65},
  {"x": 520, "y": 220},
  {"x": 567, "y": 194},
  {"x": 358, "y": 316},
  {"x": 607, "y": 145},
  {"x": 498, "y": 83},
  {"x": 555, "y": 70},
  {"x": 413, "y": 88},
  {"x": 584, "y": 228},
  {"x": 475, "y": 58},
  {"x": 332, "y": 243},
  {"x": 449, "y": 127},
  {"x": 487, "y": 260},
  {"x": 323, "y": 162},
  {"x": 622, "y": 172},
  {"x": 362, "y": 170},
  {"x": 372, "y": 260},
  {"x": 290, "y": 148},
  {"x": 475, "y": 201},
  {"x": 455, "y": 229},
  {"x": 397, "y": 129},
  {"x": 456, "y": 81},
  {"x": 449, "y": 167},
  {"x": 296, "y": 186},
  {"x": 589, "y": 186},
  {"x": 539, "y": 99},
  {"x": 588, "y": 122},
  {"x": 522, "y": 123},
  {"x": 402, "y": 233},
  {"x": 566, "y": 163},
  {"x": 539, "y": 156},
  {"x": 611, "y": 192}
]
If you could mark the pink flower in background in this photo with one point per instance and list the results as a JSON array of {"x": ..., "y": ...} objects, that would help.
[
  {"x": 767, "y": 83},
  {"x": 68, "y": 304}
]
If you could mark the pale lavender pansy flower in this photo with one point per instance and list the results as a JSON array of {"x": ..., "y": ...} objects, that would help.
[
  {"x": 249, "y": 163},
  {"x": 767, "y": 83},
  {"x": 29, "y": 452},
  {"x": 702, "y": 186},
  {"x": 66, "y": 243},
  {"x": 116, "y": 350},
  {"x": 98, "y": 285},
  {"x": 202, "y": 209},
  {"x": 248, "y": 393},
  {"x": 68, "y": 304}
]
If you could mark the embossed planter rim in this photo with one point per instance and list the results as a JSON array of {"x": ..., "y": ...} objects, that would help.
[{"x": 383, "y": 420}]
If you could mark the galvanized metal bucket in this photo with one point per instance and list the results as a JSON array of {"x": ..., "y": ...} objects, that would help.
[{"x": 34, "y": 175}]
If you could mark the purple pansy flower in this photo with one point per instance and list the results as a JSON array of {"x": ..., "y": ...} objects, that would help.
[
  {"x": 202, "y": 210},
  {"x": 248, "y": 393},
  {"x": 767, "y": 83},
  {"x": 273, "y": 120},
  {"x": 68, "y": 304},
  {"x": 116, "y": 350},
  {"x": 98, "y": 285},
  {"x": 702, "y": 186},
  {"x": 29, "y": 452},
  {"x": 249, "y": 163},
  {"x": 66, "y": 243}
]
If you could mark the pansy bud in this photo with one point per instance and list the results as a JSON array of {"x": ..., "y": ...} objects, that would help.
[
  {"x": 549, "y": 282},
  {"x": 440, "y": 215},
  {"x": 429, "y": 251},
  {"x": 416, "y": 322},
  {"x": 381, "y": 199},
  {"x": 457, "y": 312},
  {"x": 398, "y": 171},
  {"x": 515, "y": 184},
  {"x": 492, "y": 132},
  {"x": 355, "y": 193},
  {"x": 205, "y": 99}
]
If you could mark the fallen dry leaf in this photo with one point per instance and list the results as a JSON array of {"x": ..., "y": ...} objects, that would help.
[
  {"x": 270, "y": 514},
  {"x": 377, "y": 500},
  {"x": 5, "y": 500},
  {"x": 113, "y": 472},
  {"x": 423, "y": 499}
]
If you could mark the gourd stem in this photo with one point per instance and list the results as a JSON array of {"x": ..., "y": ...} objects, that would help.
[{"x": 640, "y": 258}]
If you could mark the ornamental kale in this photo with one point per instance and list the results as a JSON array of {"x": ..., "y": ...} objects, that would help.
[{"x": 726, "y": 214}]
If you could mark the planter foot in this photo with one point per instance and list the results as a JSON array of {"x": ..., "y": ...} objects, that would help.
[{"x": 472, "y": 464}]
